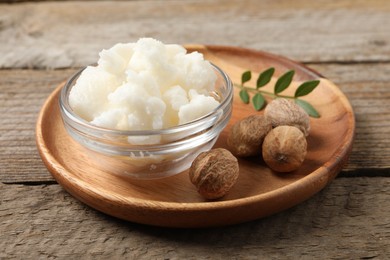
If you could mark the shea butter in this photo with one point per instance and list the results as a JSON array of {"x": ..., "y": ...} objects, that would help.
[
  {"x": 146, "y": 109},
  {"x": 145, "y": 85}
]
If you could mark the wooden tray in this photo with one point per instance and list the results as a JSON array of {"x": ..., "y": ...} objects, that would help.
[{"x": 174, "y": 201}]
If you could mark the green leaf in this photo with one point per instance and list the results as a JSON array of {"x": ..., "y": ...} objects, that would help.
[
  {"x": 258, "y": 101},
  {"x": 244, "y": 96},
  {"x": 284, "y": 81},
  {"x": 308, "y": 108},
  {"x": 246, "y": 76},
  {"x": 306, "y": 87},
  {"x": 264, "y": 77}
]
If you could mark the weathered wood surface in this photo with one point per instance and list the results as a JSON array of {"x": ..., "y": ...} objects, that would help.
[
  {"x": 347, "y": 220},
  {"x": 347, "y": 41},
  {"x": 64, "y": 34},
  {"x": 22, "y": 93}
]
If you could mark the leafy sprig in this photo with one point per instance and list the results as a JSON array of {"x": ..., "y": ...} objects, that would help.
[{"x": 283, "y": 82}]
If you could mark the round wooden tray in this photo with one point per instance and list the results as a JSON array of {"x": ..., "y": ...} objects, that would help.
[{"x": 174, "y": 201}]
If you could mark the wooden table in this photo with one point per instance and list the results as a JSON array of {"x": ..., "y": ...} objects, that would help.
[{"x": 42, "y": 44}]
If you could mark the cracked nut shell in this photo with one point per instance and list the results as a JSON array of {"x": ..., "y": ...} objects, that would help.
[
  {"x": 282, "y": 111},
  {"x": 246, "y": 136},
  {"x": 214, "y": 173},
  {"x": 284, "y": 148}
]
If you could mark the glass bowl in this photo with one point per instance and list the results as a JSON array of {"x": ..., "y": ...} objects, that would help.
[{"x": 178, "y": 146}]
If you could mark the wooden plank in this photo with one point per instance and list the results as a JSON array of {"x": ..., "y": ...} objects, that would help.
[
  {"x": 347, "y": 220},
  {"x": 65, "y": 34},
  {"x": 22, "y": 93}
]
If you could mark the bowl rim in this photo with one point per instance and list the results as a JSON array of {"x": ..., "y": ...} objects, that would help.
[{"x": 68, "y": 111}]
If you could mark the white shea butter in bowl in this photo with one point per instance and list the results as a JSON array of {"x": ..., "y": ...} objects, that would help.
[{"x": 152, "y": 106}]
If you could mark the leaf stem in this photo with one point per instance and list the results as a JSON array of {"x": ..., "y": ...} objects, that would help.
[{"x": 251, "y": 89}]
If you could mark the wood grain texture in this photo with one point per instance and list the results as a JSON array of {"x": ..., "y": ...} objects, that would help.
[
  {"x": 347, "y": 41},
  {"x": 72, "y": 33},
  {"x": 22, "y": 94},
  {"x": 368, "y": 89},
  {"x": 366, "y": 86},
  {"x": 347, "y": 220},
  {"x": 101, "y": 181}
]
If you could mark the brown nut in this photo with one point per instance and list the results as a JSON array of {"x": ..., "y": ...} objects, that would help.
[
  {"x": 214, "y": 173},
  {"x": 246, "y": 136},
  {"x": 284, "y": 148},
  {"x": 282, "y": 111}
]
